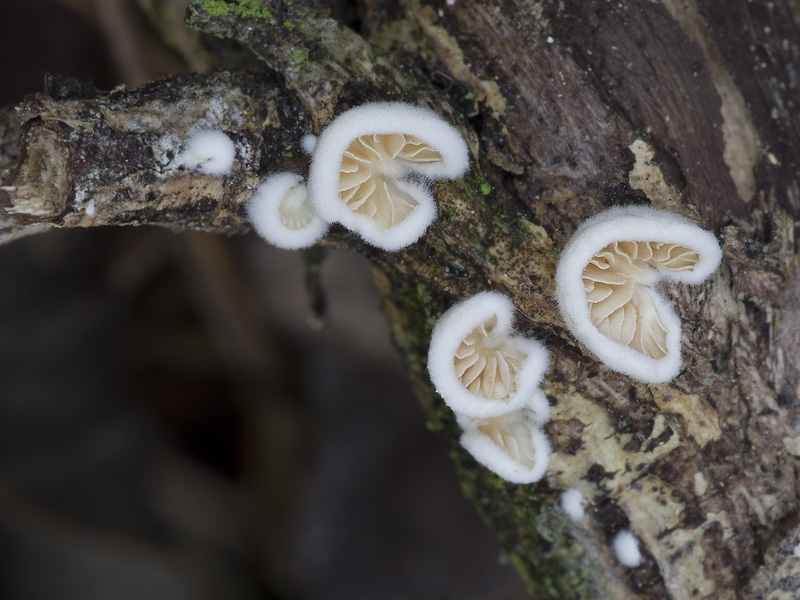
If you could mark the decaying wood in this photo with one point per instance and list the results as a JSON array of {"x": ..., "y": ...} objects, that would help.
[
  {"x": 114, "y": 159},
  {"x": 568, "y": 107}
]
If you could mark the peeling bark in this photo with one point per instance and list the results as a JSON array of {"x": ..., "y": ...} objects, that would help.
[{"x": 568, "y": 107}]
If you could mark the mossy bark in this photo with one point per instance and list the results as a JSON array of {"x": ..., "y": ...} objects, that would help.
[{"x": 568, "y": 107}]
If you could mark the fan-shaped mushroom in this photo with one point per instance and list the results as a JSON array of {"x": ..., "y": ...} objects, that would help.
[
  {"x": 280, "y": 213},
  {"x": 512, "y": 445},
  {"x": 605, "y": 286},
  {"x": 478, "y": 366},
  {"x": 363, "y": 164}
]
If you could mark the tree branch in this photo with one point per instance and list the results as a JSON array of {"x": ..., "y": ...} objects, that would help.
[
  {"x": 114, "y": 159},
  {"x": 643, "y": 103}
]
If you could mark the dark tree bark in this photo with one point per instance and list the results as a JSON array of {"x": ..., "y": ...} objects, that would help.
[{"x": 569, "y": 107}]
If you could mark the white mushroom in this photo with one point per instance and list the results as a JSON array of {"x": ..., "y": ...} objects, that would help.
[
  {"x": 626, "y": 547},
  {"x": 367, "y": 167},
  {"x": 605, "y": 286},
  {"x": 478, "y": 366},
  {"x": 308, "y": 142},
  {"x": 511, "y": 445},
  {"x": 573, "y": 502},
  {"x": 209, "y": 151},
  {"x": 280, "y": 213}
]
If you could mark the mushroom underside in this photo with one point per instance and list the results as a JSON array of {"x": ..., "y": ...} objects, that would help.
[
  {"x": 294, "y": 210},
  {"x": 370, "y": 170},
  {"x": 512, "y": 433},
  {"x": 487, "y": 363},
  {"x": 620, "y": 300}
]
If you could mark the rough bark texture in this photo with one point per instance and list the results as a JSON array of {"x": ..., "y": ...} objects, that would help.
[{"x": 568, "y": 107}]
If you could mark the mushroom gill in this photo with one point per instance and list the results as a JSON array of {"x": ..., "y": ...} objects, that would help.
[
  {"x": 294, "y": 210},
  {"x": 512, "y": 433},
  {"x": 620, "y": 302},
  {"x": 487, "y": 363},
  {"x": 370, "y": 168}
]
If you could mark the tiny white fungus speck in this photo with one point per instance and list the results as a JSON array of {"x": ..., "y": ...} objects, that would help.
[
  {"x": 626, "y": 547},
  {"x": 572, "y": 502},
  {"x": 550, "y": 39},
  {"x": 309, "y": 142},
  {"x": 90, "y": 208},
  {"x": 796, "y": 551}
]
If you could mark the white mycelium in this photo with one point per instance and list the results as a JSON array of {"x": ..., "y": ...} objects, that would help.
[
  {"x": 626, "y": 547},
  {"x": 479, "y": 368},
  {"x": 280, "y": 213},
  {"x": 369, "y": 166},
  {"x": 605, "y": 286},
  {"x": 209, "y": 151},
  {"x": 511, "y": 445}
]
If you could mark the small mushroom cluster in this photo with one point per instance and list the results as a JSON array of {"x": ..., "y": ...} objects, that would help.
[
  {"x": 490, "y": 379},
  {"x": 605, "y": 284},
  {"x": 605, "y": 288},
  {"x": 370, "y": 171}
]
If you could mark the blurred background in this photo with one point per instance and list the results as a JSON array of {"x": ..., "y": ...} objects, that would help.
[{"x": 174, "y": 425}]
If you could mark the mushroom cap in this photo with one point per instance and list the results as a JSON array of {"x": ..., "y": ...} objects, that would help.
[
  {"x": 502, "y": 370},
  {"x": 386, "y": 119},
  {"x": 511, "y": 445},
  {"x": 209, "y": 151},
  {"x": 308, "y": 142},
  {"x": 652, "y": 229},
  {"x": 572, "y": 502},
  {"x": 280, "y": 213}
]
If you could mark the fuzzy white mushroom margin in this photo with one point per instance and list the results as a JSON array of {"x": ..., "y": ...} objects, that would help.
[
  {"x": 281, "y": 214},
  {"x": 511, "y": 445},
  {"x": 466, "y": 320},
  {"x": 209, "y": 151},
  {"x": 632, "y": 224},
  {"x": 385, "y": 118}
]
